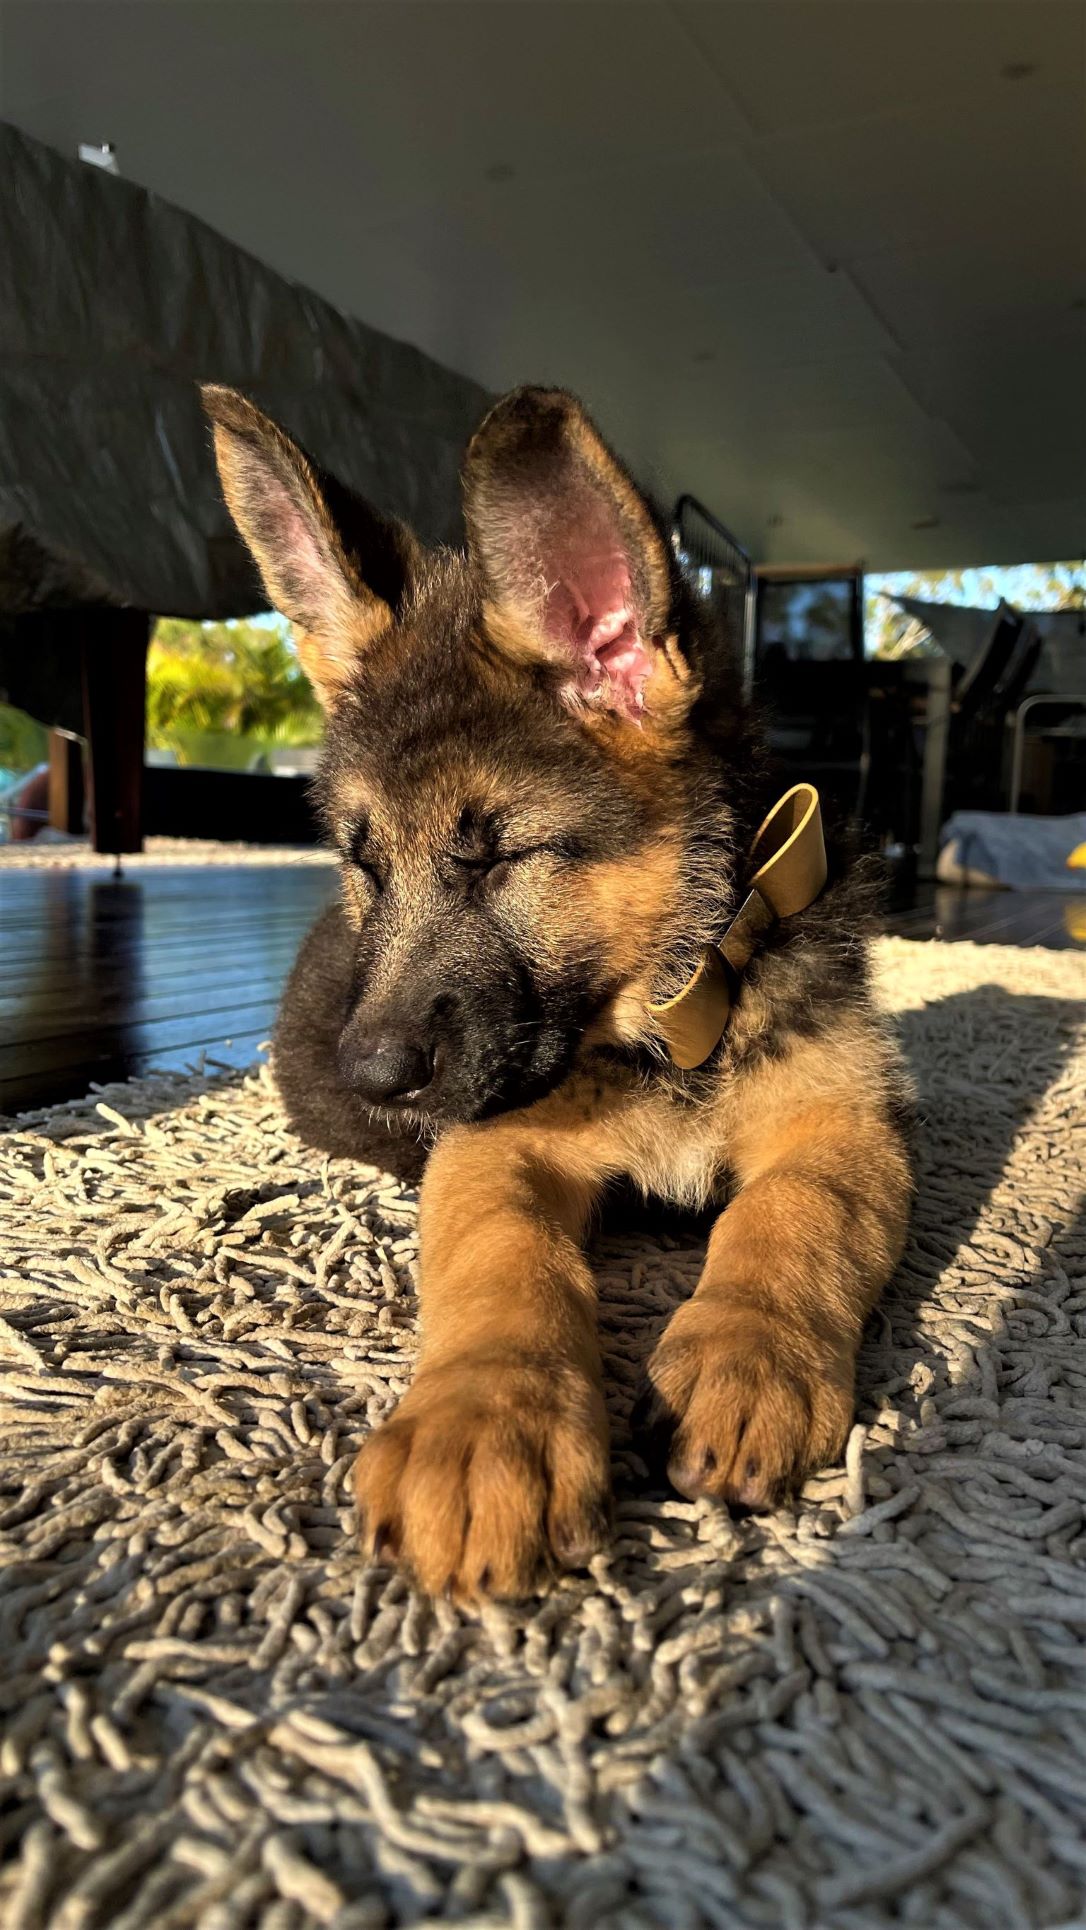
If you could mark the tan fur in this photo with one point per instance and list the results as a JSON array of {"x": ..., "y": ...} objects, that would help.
[
  {"x": 497, "y": 446},
  {"x": 757, "y": 1370},
  {"x": 329, "y": 659},
  {"x": 346, "y": 617},
  {"x": 514, "y": 634},
  {"x": 493, "y": 1472},
  {"x": 494, "y": 1467},
  {"x": 615, "y": 909}
]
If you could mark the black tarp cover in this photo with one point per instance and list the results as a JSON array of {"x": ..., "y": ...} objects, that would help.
[
  {"x": 113, "y": 306},
  {"x": 962, "y": 632}
]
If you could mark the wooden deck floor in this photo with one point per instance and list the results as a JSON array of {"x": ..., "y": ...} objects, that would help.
[
  {"x": 1054, "y": 919},
  {"x": 102, "y": 978}
]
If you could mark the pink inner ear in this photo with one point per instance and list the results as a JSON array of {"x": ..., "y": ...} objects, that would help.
[
  {"x": 589, "y": 610},
  {"x": 302, "y": 557}
]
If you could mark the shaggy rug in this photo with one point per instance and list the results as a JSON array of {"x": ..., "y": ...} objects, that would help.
[
  {"x": 75, "y": 854},
  {"x": 864, "y": 1711}
]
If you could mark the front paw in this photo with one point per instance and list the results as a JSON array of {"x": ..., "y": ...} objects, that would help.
[
  {"x": 491, "y": 1475},
  {"x": 742, "y": 1406}
]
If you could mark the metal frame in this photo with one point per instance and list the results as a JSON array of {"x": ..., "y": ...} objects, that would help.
[
  {"x": 1018, "y": 757},
  {"x": 734, "y": 562},
  {"x": 800, "y": 575},
  {"x": 936, "y": 672}
]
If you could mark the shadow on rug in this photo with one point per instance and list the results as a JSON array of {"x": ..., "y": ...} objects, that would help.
[{"x": 861, "y": 1712}]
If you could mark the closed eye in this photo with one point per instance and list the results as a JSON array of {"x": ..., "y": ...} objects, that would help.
[
  {"x": 500, "y": 861},
  {"x": 358, "y": 852}
]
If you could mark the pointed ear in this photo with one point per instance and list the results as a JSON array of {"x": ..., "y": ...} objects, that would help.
[
  {"x": 575, "y": 570},
  {"x": 329, "y": 561}
]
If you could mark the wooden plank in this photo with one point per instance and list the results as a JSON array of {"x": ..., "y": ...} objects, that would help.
[
  {"x": 962, "y": 916},
  {"x": 74, "y": 1082},
  {"x": 225, "y": 935},
  {"x": 105, "y": 897},
  {"x": 66, "y": 788},
  {"x": 167, "y": 878},
  {"x": 160, "y": 918},
  {"x": 187, "y": 989},
  {"x": 912, "y": 924},
  {"x": 81, "y": 979},
  {"x": 1056, "y": 937},
  {"x": 59, "y": 1018},
  {"x": 147, "y": 974},
  {"x": 100, "y": 978},
  {"x": 173, "y": 873},
  {"x": 112, "y": 904},
  {"x": 96, "y": 1043},
  {"x": 987, "y": 917}
]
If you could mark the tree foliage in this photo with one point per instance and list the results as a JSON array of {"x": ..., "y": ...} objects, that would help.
[
  {"x": 241, "y": 677},
  {"x": 23, "y": 741},
  {"x": 890, "y": 632}
]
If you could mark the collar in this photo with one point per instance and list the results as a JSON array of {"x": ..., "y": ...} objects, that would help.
[{"x": 789, "y": 860}]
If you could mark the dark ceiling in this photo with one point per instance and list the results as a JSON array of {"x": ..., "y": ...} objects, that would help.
[{"x": 822, "y": 262}]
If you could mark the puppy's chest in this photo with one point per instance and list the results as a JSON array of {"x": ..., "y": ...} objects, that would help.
[{"x": 678, "y": 1151}]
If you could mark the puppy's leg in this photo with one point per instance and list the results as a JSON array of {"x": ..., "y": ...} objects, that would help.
[
  {"x": 753, "y": 1381},
  {"x": 493, "y": 1471}
]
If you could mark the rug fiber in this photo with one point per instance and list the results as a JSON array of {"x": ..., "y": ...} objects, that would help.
[{"x": 867, "y": 1710}]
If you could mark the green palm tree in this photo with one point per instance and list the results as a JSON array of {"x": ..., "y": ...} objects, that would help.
[{"x": 242, "y": 679}]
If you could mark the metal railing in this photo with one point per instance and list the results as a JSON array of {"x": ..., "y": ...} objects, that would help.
[
  {"x": 720, "y": 570},
  {"x": 1069, "y": 699}
]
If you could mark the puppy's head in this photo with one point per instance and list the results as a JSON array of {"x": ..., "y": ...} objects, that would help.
[{"x": 505, "y": 765}]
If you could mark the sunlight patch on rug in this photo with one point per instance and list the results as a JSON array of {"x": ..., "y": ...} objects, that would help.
[{"x": 75, "y": 854}]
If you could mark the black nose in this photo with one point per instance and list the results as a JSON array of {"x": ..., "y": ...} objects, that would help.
[{"x": 387, "y": 1070}]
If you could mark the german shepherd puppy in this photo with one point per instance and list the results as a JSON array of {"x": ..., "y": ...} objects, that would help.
[{"x": 543, "y": 791}]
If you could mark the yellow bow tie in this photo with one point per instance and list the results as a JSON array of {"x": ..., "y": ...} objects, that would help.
[{"x": 789, "y": 856}]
